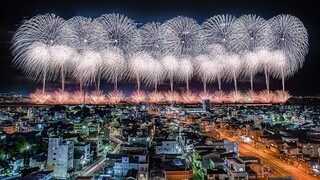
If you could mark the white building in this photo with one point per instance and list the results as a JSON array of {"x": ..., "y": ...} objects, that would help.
[
  {"x": 139, "y": 163},
  {"x": 60, "y": 157},
  {"x": 168, "y": 147}
]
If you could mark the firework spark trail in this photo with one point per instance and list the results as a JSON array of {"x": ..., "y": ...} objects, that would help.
[
  {"x": 281, "y": 67},
  {"x": 251, "y": 66},
  {"x": 139, "y": 65},
  {"x": 185, "y": 71},
  {"x": 170, "y": 65},
  {"x": 204, "y": 70},
  {"x": 155, "y": 74},
  {"x": 114, "y": 64},
  {"x": 234, "y": 67}
]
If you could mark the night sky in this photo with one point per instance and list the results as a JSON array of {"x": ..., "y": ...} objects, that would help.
[{"x": 12, "y": 14}]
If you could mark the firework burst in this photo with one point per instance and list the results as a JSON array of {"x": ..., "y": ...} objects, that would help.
[
  {"x": 218, "y": 29},
  {"x": 182, "y": 36},
  {"x": 88, "y": 70},
  {"x": 97, "y": 97},
  {"x": 251, "y": 66},
  {"x": 188, "y": 97},
  {"x": 250, "y": 97},
  {"x": 61, "y": 97},
  {"x": 281, "y": 67},
  {"x": 170, "y": 65},
  {"x": 282, "y": 96},
  {"x": 120, "y": 32},
  {"x": 138, "y": 97},
  {"x": 185, "y": 71},
  {"x": 219, "y": 97},
  {"x": 115, "y": 96},
  {"x": 289, "y": 35},
  {"x": 151, "y": 38},
  {"x": 172, "y": 96},
  {"x": 266, "y": 96},
  {"x": 40, "y": 97},
  {"x": 78, "y": 97},
  {"x": 205, "y": 95},
  {"x": 234, "y": 67},
  {"x": 45, "y": 31},
  {"x": 115, "y": 65},
  {"x": 235, "y": 96},
  {"x": 155, "y": 74},
  {"x": 204, "y": 69},
  {"x": 155, "y": 97},
  {"x": 139, "y": 66},
  {"x": 249, "y": 33}
]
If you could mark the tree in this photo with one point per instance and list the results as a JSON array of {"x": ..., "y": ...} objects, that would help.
[
  {"x": 21, "y": 145},
  {"x": 2, "y": 154}
]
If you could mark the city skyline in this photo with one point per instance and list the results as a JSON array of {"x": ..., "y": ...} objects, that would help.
[{"x": 300, "y": 84}]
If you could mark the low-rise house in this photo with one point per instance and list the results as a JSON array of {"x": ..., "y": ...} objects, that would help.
[
  {"x": 39, "y": 175},
  {"x": 235, "y": 168},
  {"x": 216, "y": 174}
]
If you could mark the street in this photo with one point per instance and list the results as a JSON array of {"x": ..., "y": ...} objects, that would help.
[{"x": 272, "y": 160}]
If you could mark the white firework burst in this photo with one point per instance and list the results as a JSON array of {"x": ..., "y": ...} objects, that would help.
[
  {"x": 218, "y": 30},
  {"x": 182, "y": 36},
  {"x": 154, "y": 74},
  {"x": 151, "y": 38},
  {"x": 139, "y": 65},
  {"x": 234, "y": 67},
  {"x": 185, "y": 71},
  {"x": 88, "y": 70},
  {"x": 114, "y": 65},
  {"x": 171, "y": 65},
  {"x": 249, "y": 33},
  {"x": 40, "y": 31},
  {"x": 120, "y": 32},
  {"x": 252, "y": 65},
  {"x": 289, "y": 35}
]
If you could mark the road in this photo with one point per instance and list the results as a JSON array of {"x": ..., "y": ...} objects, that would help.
[
  {"x": 99, "y": 164},
  {"x": 272, "y": 160},
  {"x": 94, "y": 167}
]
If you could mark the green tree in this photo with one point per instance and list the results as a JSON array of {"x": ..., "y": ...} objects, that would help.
[
  {"x": 21, "y": 145},
  {"x": 2, "y": 154}
]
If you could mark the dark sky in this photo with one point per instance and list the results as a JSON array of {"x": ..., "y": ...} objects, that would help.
[{"x": 305, "y": 82}]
